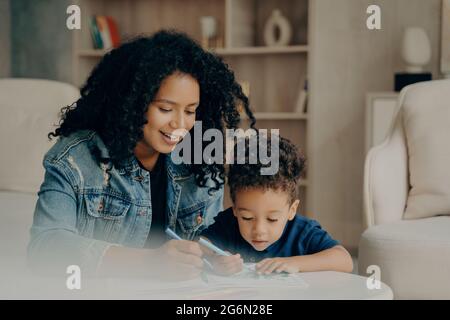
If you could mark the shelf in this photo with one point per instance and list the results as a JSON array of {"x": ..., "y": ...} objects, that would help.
[
  {"x": 277, "y": 116},
  {"x": 91, "y": 52},
  {"x": 280, "y": 116},
  {"x": 260, "y": 50},
  {"x": 221, "y": 51}
]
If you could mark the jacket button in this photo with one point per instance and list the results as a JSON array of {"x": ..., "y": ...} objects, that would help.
[
  {"x": 100, "y": 206},
  {"x": 199, "y": 219}
]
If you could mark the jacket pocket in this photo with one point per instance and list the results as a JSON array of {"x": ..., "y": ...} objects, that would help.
[
  {"x": 190, "y": 219},
  {"x": 106, "y": 206},
  {"x": 102, "y": 215}
]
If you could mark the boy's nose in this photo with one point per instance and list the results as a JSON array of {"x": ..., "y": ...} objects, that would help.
[{"x": 259, "y": 230}]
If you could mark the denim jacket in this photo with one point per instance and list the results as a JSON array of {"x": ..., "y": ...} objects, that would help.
[{"x": 83, "y": 207}]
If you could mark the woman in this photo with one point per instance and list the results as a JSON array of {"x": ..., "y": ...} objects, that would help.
[{"x": 110, "y": 183}]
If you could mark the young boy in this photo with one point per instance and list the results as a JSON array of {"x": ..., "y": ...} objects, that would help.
[{"x": 263, "y": 227}]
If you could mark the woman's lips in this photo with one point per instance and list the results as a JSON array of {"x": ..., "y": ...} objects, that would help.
[{"x": 170, "y": 139}]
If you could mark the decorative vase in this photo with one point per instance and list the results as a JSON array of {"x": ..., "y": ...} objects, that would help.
[
  {"x": 209, "y": 30},
  {"x": 277, "y": 30},
  {"x": 416, "y": 49}
]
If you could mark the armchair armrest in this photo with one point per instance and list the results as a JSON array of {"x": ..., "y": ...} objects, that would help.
[{"x": 386, "y": 178}]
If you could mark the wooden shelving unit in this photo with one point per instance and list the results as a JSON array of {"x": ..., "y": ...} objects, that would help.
[{"x": 275, "y": 74}]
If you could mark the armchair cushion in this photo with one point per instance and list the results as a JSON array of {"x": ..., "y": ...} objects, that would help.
[
  {"x": 413, "y": 256},
  {"x": 29, "y": 110},
  {"x": 427, "y": 129}
]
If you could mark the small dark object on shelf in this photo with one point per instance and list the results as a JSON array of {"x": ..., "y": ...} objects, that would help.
[{"x": 404, "y": 79}]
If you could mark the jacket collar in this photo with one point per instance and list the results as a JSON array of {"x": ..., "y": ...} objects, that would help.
[{"x": 131, "y": 165}]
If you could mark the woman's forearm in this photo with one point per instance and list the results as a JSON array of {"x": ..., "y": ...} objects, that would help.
[
  {"x": 176, "y": 260},
  {"x": 119, "y": 261}
]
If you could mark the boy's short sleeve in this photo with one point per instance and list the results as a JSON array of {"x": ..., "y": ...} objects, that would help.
[{"x": 317, "y": 239}]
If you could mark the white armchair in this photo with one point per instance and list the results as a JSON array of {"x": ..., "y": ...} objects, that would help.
[
  {"x": 29, "y": 109},
  {"x": 407, "y": 236}
]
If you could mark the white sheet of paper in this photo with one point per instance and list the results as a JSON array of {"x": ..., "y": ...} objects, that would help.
[
  {"x": 250, "y": 279},
  {"x": 241, "y": 285}
]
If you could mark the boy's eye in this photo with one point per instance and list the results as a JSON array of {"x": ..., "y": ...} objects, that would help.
[
  {"x": 164, "y": 110},
  {"x": 190, "y": 112},
  {"x": 272, "y": 220},
  {"x": 247, "y": 218}
]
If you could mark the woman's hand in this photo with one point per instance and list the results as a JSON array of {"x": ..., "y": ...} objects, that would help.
[
  {"x": 277, "y": 265},
  {"x": 227, "y": 265},
  {"x": 175, "y": 260},
  {"x": 178, "y": 260}
]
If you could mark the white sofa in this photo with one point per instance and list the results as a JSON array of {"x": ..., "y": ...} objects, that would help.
[
  {"x": 406, "y": 197},
  {"x": 29, "y": 109}
]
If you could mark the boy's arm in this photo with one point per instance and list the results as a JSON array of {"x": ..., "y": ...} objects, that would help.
[{"x": 336, "y": 258}]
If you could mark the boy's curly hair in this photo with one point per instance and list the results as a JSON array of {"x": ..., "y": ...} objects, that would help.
[
  {"x": 248, "y": 176},
  {"x": 116, "y": 96}
]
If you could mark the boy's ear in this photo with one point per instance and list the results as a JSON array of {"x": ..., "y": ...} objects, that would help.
[
  {"x": 234, "y": 210},
  {"x": 293, "y": 209}
]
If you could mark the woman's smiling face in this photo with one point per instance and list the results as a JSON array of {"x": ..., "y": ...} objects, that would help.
[{"x": 172, "y": 112}]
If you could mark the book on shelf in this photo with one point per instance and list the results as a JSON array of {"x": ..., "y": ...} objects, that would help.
[
  {"x": 302, "y": 99},
  {"x": 113, "y": 31},
  {"x": 104, "y": 32},
  {"x": 95, "y": 33},
  {"x": 102, "y": 25}
]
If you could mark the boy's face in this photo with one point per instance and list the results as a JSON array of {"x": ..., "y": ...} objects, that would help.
[{"x": 262, "y": 215}]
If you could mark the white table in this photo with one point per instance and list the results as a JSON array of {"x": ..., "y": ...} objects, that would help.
[
  {"x": 321, "y": 285},
  {"x": 16, "y": 282}
]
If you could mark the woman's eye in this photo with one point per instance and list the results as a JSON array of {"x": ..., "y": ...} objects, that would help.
[
  {"x": 190, "y": 112},
  {"x": 246, "y": 218},
  {"x": 164, "y": 110},
  {"x": 272, "y": 220}
]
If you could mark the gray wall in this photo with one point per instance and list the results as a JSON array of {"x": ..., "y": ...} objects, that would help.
[
  {"x": 5, "y": 39},
  {"x": 41, "y": 43},
  {"x": 348, "y": 60}
]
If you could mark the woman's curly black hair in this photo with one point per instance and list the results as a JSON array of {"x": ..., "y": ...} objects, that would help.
[
  {"x": 116, "y": 96},
  {"x": 291, "y": 166}
]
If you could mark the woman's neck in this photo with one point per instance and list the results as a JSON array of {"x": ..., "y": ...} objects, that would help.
[{"x": 146, "y": 155}]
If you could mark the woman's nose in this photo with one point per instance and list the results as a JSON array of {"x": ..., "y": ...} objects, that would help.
[{"x": 177, "y": 122}]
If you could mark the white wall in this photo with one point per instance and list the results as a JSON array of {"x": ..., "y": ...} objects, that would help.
[
  {"x": 348, "y": 60},
  {"x": 5, "y": 39}
]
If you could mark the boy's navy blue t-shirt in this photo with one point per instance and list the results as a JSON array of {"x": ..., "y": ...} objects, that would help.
[{"x": 301, "y": 236}]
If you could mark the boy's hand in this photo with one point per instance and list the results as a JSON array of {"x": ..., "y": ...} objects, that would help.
[
  {"x": 227, "y": 265},
  {"x": 277, "y": 265}
]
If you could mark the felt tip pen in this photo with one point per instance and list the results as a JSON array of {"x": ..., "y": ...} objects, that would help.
[
  {"x": 173, "y": 235},
  {"x": 214, "y": 248}
]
